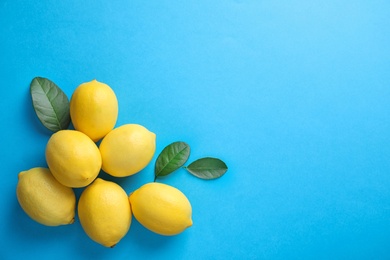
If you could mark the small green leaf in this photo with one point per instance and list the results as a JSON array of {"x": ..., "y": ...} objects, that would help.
[
  {"x": 50, "y": 104},
  {"x": 171, "y": 158},
  {"x": 207, "y": 168}
]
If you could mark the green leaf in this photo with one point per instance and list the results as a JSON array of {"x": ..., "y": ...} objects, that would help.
[
  {"x": 207, "y": 168},
  {"x": 50, "y": 104},
  {"x": 171, "y": 158}
]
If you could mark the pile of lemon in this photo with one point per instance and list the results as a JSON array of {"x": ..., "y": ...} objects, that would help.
[{"x": 75, "y": 160}]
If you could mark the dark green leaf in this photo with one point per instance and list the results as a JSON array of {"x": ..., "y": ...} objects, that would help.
[
  {"x": 50, "y": 104},
  {"x": 171, "y": 158},
  {"x": 207, "y": 168}
]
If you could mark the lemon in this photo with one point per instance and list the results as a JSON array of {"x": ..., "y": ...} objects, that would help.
[
  {"x": 44, "y": 199},
  {"x": 127, "y": 149},
  {"x": 73, "y": 158},
  {"x": 94, "y": 109},
  {"x": 104, "y": 212},
  {"x": 161, "y": 208}
]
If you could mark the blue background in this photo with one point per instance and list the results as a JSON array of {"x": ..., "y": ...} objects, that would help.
[{"x": 292, "y": 95}]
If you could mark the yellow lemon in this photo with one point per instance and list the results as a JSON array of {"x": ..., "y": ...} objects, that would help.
[
  {"x": 94, "y": 109},
  {"x": 73, "y": 158},
  {"x": 127, "y": 149},
  {"x": 104, "y": 212},
  {"x": 161, "y": 208},
  {"x": 44, "y": 199}
]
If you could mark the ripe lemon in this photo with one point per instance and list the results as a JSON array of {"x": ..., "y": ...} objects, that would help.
[
  {"x": 127, "y": 149},
  {"x": 161, "y": 208},
  {"x": 44, "y": 199},
  {"x": 104, "y": 212},
  {"x": 94, "y": 109},
  {"x": 73, "y": 158}
]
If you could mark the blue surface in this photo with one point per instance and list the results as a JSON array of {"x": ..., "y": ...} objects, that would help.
[{"x": 292, "y": 95}]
